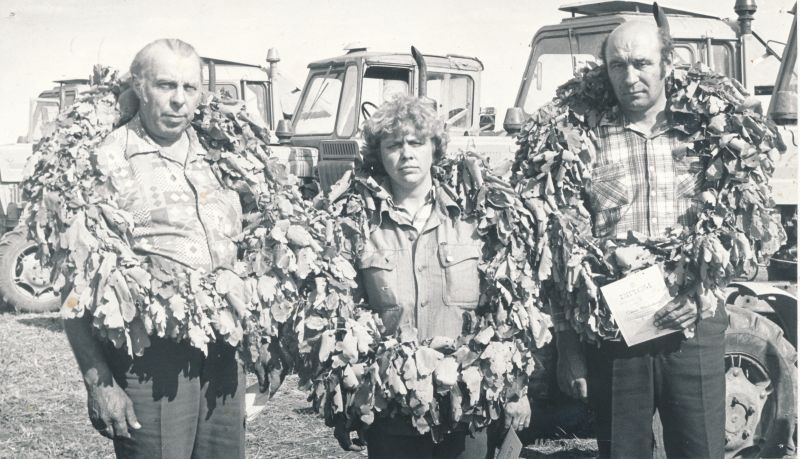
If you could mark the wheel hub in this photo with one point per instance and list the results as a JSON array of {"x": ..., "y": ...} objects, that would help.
[
  {"x": 745, "y": 400},
  {"x": 30, "y": 277}
]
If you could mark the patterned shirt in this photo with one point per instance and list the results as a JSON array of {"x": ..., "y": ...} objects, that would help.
[
  {"x": 427, "y": 279},
  {"x": 645, "y": 183},
  {"x": 181, "y": 211}
]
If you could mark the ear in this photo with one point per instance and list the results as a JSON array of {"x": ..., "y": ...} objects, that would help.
[{"x": 137, "y": 84}]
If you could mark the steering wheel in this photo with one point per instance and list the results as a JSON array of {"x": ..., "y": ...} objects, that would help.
[
  {"x": 366, "y": 108},
  {"x": 458, "y": 114}
]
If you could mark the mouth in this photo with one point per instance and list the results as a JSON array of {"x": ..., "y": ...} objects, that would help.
[{"x": 634, "y": 93}]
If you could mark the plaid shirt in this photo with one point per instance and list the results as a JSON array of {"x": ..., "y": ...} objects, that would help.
[
  {"x": 642, "y": 183},
  {"x": 181, "y": 211}
]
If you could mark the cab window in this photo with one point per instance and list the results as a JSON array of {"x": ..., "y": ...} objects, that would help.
[
  {"x": 454, "y": 95},
  {"x": 317, "y": 112}
]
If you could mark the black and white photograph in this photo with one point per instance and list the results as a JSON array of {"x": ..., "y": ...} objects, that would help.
[{"x": 398, "y": 229}]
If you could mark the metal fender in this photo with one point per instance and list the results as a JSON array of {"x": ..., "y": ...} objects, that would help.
[{"x": 776, "y": 300}]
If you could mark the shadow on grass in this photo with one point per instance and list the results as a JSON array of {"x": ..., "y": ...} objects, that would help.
[
  {"x": 565, "y": 453},
  {"x": 53, "y": 324},
  {"x": 306, "y": 411}
]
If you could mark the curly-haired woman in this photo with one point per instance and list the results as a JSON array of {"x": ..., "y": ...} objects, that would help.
[{"x": 419, "y": 267}]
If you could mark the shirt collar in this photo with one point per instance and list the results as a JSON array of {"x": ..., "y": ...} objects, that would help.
[
  {"x": 439, "y": 196},
  {"x": 139, "y": 142},
  {"x": 615, "y": 117}
]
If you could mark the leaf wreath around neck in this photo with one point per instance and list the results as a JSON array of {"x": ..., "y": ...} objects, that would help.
[
  {"x": 737, "y": 224},
  {"x": 296, "y": 276}
]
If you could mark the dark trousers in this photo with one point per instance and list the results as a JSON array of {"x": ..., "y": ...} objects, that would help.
[
  {"x": 383, "y": 444},
  {"x": 684, "y": 379},
  {"x": 189, "y": 405}
]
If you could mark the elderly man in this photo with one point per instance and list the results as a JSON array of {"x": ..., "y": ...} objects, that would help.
[
  {"x": 647, "y": 186},
  {"x": 173, "y": 401}
]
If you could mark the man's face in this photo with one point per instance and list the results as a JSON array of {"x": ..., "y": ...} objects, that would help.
[
  {"x": 636, "y": 71},
  {"x": 407, "y": 158},
  {"x": 169, "y": 93}
]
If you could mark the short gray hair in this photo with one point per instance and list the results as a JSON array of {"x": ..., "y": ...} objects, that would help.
[{"x": 141, "y": 62}]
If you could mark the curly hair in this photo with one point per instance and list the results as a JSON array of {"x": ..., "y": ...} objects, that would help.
[{"x": 401, "y": 115}]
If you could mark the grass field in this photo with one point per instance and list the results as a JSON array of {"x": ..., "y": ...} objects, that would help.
[{"x": 43, "y": 406}]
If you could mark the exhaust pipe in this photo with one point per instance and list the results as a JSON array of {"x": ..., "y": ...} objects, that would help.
[{"x": 422, "y": 81}]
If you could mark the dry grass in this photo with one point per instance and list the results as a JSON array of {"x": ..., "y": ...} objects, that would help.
[{"x": 43, "y": 406}]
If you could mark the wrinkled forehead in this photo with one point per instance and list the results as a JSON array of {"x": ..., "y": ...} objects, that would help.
[
  {"x": 168, "y": 64},
  {"x": 633, "y": 40}
]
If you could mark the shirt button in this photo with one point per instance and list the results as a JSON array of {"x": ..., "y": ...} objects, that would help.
[
  {"x": 412, "y": 237},
  {"x": 423, "y": 303},
  {"x": 654, "y": 220},
  {"x": 651, "y": 168},
  {"x": 653, "y": 194},
  {"x": 449, "y": 259},
  {"x": 420, "y": 268}
]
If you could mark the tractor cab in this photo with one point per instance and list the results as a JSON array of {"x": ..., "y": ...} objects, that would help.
[{"x": 728, "y": 47}]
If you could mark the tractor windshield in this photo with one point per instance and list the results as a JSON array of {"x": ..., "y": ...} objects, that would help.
[
  {"x": 43, "y": 117},
  {"x": 553, "y": 63},
  {"x": 321, "y": 99}
]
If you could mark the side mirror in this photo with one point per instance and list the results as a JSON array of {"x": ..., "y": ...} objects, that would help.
[
  {"x": 512, "y": 123},
  {"x": 283, "y": 131}
]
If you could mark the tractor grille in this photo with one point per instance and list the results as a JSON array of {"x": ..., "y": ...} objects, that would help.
[
  {"x": 338, "y": 149},
  {"x": 335, "y": 158}
]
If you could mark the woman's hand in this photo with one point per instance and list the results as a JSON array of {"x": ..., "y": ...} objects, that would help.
[{"x": 518, "y": 414}]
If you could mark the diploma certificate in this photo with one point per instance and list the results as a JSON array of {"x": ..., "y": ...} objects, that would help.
[{"x": 634, "y": 300}]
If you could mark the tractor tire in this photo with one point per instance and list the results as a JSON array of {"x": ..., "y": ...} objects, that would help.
[
  {"x": 761, "y": 377},
  {"x": 24, "y": 283}
]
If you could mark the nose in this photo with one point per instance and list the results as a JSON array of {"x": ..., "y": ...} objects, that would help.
[
  {"x": 631, "y": 75},
  {"x": 405, "y": 151},
  {"x": 178, "y": 96}
]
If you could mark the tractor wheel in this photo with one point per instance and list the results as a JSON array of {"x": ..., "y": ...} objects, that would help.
[
  {"x": 761, "y": 376},
  {"x": 24, "y": 284}
]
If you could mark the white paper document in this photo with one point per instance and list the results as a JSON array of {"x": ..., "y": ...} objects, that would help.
[{"x": 634, "y": 300}]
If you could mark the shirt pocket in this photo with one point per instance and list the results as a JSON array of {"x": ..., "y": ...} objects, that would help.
[
  {"x": 461, "y": 277},
  {"x": 688, "y": 177},
  {"x": 609, "y": 187},
  {"x": 380, "y": 276}
]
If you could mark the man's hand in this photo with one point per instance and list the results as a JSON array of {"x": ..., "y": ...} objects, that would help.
[
  {"x": 678, "y": 314},
  {"x": 111, "y": 411},
  {"x": 342, "y": 434},
  {"x": 571, "y": 366},
  {"x": 518, "y": 414}
]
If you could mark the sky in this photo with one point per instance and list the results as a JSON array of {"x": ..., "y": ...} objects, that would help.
[{"x": 45, "y": 40}]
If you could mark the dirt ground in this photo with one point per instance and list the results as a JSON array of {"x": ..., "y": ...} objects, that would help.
[{"x": 43, "y": 406}]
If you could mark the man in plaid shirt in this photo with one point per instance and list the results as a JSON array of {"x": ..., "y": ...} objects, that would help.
[{"x": 645, "y": 180}]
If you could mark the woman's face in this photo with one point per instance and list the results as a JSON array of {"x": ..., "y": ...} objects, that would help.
[{"x": 407, "y": 158}]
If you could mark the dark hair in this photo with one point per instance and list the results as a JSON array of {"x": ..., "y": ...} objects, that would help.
[
  {"x": 664, "y": 39},
  {"x": 398, "y": 116}
]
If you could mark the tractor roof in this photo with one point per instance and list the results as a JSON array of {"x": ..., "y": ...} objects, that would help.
[
  {"x": 684, "y": 25},
  {"x": 450, "y": 61},
  {"x": 595, "y": 8}
]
